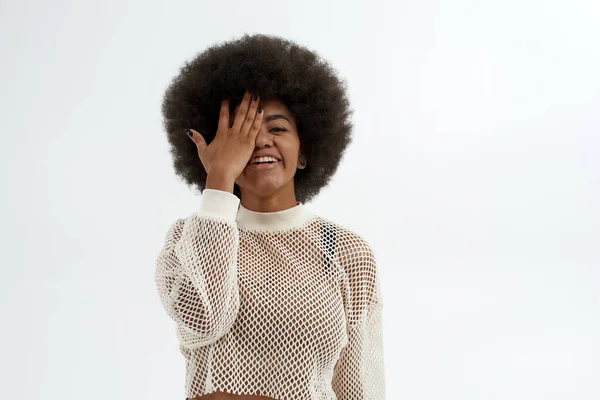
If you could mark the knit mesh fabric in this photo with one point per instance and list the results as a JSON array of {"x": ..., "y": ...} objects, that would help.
[{"x": 292, "y": 313}]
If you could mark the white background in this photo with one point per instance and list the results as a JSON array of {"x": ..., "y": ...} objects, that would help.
[{"x": 474, "y": 173}]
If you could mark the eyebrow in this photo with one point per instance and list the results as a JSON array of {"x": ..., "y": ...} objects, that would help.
[{"x": 277, "y": 116}]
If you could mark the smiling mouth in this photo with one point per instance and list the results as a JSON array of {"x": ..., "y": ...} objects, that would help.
[{"x": 264, "y": 166}]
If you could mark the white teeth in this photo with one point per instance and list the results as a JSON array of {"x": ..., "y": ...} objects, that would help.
[{"x": 262, "y": 159}]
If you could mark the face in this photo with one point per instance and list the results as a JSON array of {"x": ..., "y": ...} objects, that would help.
[{"x": 278, "y": 135}]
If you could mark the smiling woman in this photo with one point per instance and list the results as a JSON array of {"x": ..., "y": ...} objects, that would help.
[
  {"x": 270, "y": 301},
  {"x": 298, "y": 90}
]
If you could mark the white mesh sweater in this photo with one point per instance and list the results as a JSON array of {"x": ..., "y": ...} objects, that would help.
[{"x": 283, "y": 304}]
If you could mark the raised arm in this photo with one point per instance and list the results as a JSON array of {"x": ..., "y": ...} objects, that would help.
[{"x": 196, "y": 270}]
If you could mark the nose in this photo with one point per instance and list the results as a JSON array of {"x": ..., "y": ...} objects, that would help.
[{"x": 264, "y": 137}]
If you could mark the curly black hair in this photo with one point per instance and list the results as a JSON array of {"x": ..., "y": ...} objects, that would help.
[{"x": 276, "y": 68}]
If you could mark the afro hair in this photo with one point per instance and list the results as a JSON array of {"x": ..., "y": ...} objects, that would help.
[{"x": 275, "y": 68}]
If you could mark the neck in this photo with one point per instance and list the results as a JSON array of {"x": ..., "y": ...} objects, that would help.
[{"x": 281, "y": 199}]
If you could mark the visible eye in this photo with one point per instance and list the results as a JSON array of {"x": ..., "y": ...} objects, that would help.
[{"x": 280, "y": 129}]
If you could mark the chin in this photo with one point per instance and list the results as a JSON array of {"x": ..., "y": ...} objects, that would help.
[{"x": 264, "y": 187}]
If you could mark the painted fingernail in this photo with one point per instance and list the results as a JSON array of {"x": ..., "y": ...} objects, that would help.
[
  {"x": 189, "y": 133},
  {"x": 260, "y": 110},
  {"x": 255, "y": 97}
]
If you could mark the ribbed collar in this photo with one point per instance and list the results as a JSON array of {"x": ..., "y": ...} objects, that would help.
[{"x": 274, "y": 221}]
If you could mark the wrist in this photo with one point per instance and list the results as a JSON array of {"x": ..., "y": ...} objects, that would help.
[{"x": 220, "y": 182}]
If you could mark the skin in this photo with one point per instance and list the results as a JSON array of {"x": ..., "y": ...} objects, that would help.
[
  {"x": 268, "y": 190},
  {"x": 272, "y": 190},
  {"x": 227, "y": 396}
]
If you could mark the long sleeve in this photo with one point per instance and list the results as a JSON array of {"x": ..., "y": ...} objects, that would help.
[
  {"x": 196, "y": 270},
  {"x": 359, "y": 373}
]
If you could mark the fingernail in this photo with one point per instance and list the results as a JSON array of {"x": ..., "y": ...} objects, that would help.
[
  {"x": 260, "y": 110},
  {"x": 255, "y": 97},
  {"x": 189, "y": 133}
]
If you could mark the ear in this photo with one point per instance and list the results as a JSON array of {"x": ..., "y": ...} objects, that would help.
[{"x": 301, "y": 150}]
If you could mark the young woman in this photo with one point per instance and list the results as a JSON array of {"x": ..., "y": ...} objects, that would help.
[{"x": 269, "y": 300}]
